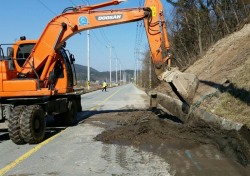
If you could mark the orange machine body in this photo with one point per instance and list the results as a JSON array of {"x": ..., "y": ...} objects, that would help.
[
  {"x": 37, "y": 77},
  {"x": 13, "y": 86},
  {"x": 32, "y": 78}
]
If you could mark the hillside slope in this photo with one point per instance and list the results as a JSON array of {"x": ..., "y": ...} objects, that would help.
[
  {"x": 95, "y": 75},
  {"x": 224, "y": 74}
]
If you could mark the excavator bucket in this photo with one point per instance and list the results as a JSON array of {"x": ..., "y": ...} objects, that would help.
[{"x": 183, "y": 84}]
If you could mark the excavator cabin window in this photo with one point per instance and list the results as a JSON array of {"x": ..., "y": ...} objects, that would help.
[
  {"x": 2, "y": 56},
  {"x": 1, "y": 53},
  {"x": 23, "y": 52}
]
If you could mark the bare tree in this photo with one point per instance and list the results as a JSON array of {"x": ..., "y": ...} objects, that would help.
[{"x": 195, "y": 26}]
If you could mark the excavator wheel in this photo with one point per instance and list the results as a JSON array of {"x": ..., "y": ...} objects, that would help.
[
  {"x": 33, "y": 124},
  {"x": 69, "y": 117},
  {"x": 14, "y": 125}
]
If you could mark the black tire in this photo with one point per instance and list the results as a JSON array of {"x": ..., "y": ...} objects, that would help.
[
  {"x": 14, "y": 125},
  {"x": 78, "y": 103},
  {"x": 69, "y": 117},
  {"x": 33, "y": 124}
]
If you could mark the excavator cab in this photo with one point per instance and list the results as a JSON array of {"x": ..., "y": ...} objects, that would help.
[
  {"x": 22, "y": 49},
  {"x": 17, "y": 53},
  {"x": 23, "y": 53}
]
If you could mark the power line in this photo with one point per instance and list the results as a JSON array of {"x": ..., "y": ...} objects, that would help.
[
  {"x": 72, "y": 2},
  {"x": 140, "y": 2},
  {"x": 99, "y": 41},
  {"x": 47, "y": 7},
  {"x": 138, "y": 40},
  {"x": 96, "y": 44},
  {"x": 87, "y": 2},
  {"x": 104, "y": 36},
  {"x": 104, "y": 53}
]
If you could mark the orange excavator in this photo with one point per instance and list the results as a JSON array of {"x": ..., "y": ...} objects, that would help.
[{"x": 37, "y": 77}]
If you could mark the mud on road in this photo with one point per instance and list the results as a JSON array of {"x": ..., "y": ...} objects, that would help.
[{"x": 156, "y": 132}]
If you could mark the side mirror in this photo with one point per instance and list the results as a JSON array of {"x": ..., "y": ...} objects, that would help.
[
  {"x": 72, "y": 58},
  {"x": 64, "y": 45},
  {"x": 1, "y": 53},
  {"x": 10, "y": 52}
]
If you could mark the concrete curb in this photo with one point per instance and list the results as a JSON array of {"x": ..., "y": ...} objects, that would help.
[
  {"x": 208, "y": 117},
  {"x": 183, "y": 112}
]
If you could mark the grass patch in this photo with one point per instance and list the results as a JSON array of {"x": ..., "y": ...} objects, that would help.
[{"x": 234, "y": 103}]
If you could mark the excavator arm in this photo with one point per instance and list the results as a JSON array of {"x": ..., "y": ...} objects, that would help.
[
  {"x": 76, "y": 19},
  {"x": 71, "y": 22},
  {"x": 183, "y": 84}
]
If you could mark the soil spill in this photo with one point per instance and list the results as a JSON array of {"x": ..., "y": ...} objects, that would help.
[{"x": 159, "y": 134}]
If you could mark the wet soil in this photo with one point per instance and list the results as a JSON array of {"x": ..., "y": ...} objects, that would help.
[{"x": 157, "y": 132}]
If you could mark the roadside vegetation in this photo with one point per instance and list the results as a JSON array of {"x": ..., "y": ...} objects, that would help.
[
  {"x": 234, "y": 103},
  {"x": 194, "y": 27},
  {"x": 195, "y": 32}
]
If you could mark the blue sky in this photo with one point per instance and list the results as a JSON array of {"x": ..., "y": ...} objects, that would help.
[{"x": 29, "y": 17}]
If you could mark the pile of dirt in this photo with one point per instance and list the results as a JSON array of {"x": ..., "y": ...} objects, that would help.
[{"x": 145, "y": 130}]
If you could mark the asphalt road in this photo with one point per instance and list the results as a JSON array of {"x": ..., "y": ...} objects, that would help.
[{"x": 72, "y": 151}]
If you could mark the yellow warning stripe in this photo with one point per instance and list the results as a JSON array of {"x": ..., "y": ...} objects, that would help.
[
  {"x": 104, "y": 101},
  {"x": 26, "y": 155},
  {"x": 36, "y": 148}
]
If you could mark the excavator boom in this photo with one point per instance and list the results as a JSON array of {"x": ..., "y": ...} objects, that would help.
[
  {"x": 76, "y": 19},
  {"x": 72, "y": 22}
]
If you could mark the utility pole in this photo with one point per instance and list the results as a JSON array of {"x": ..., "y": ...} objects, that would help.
[
  {"x": 124, "y": 76},
  {"x": 138, "y": 71},
  {"x": 116, "y": 71},
  {"x": 150, "y": 74},
  {"x": 88, "y": 59},
  {"x": 110, "y": 63},
  {"x": 120, "y": 73},
  {"x": 135, "y": 72}
]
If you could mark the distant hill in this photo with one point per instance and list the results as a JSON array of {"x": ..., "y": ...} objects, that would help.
[{"x": 95, "y": 75}]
